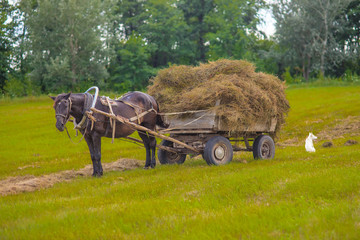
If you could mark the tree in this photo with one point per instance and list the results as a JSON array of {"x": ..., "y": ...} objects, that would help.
[
  {"x": 127, "y": 16},
  {"x": 195, "y": 12},
  {"x": 130, "y": 69},
  {"x": 165, "y": 32},
  {"x": 232, "y": 25},
  {"x": 306, "y": 28},
  {"x": 5, "y": 41},
  {"x": 153, "y": 34},
  {"x": 65, "y": 40},
  {"x": 349, "y": 38}
]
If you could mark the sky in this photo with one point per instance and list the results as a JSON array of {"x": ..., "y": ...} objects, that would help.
[{"x": 268, "y": 26}]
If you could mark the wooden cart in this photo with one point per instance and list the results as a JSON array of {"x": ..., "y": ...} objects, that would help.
[{"x": 203, "y": 132}]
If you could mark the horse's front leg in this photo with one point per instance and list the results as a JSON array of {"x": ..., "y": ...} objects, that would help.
[
  {"x": 94, "y": 144},
  {"x": 98, "y": 171}
]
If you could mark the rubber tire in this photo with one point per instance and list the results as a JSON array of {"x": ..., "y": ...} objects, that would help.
[
  {"x": 166, "y": 157},
  {"x": 263, "y": 147},
  {"x": 210, "y": 151}
]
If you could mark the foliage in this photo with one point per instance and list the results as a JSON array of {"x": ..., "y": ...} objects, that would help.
[
  {"x": 16, "y": 87},
  {"x": 195, "y": 14},
  {"x": 310, "y": 45},
  {"x": 130, "y": 70},
  {"x": 5, "y": 41},
  {"x": 165, "y": 33},
  {"x": 118, "y": 44},
  {"x": 229, "y": 23},
  {"x": 65, "y": 35}
]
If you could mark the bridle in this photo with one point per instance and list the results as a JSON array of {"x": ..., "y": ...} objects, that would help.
[{"x": 67, "y": 116}]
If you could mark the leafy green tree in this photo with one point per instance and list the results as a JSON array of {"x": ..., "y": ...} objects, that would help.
[
  {"x": 232, "y": 25},
  {"x": 65, "y": 41},
  {"x": 306, "y": 28},
  {"x": 349, "y": 39},
  {"x": 195, "y": 13},
  {"x": 153, "y": 34},
  {"x": 127, "y": 16},
  {"x": 165, "y": 32},
  {"x": 130, "y": 69},
  {"x": 5, "y": 41}
]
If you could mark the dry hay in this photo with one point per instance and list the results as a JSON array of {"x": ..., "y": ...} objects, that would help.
[
  {"x": 15, "y": 185},
  {"x": 246, "y": 96}
]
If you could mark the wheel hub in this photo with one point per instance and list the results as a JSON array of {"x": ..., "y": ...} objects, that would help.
[
  {"x": 219, "y": 152},
  {"x": 265, "y": 150}
]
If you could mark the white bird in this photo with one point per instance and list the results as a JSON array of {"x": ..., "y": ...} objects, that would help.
[{"x": 309, "y": 146}]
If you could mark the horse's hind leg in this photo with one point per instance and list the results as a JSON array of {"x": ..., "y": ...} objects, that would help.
[
  {"x": 153, "y": 149},
  {"x": 146, "y": 141}
]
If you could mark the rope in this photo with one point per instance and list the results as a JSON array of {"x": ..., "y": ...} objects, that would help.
[
  {"x": 76, "y": 135},
  {"x": 178, "y": 113},
  {"x": 113, "y": 125}
]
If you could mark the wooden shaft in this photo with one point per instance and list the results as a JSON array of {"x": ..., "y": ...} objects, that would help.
[
  {"x": 141, "y": 128},
  {"x": 169, "y": 149}
]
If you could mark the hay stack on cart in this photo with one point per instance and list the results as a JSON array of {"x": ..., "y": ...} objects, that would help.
[{"x": 244, "y": 103}]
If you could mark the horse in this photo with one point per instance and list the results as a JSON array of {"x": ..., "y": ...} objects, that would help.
[{"x": 138, "y": 106}]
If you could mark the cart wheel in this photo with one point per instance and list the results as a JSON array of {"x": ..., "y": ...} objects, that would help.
[
  {"x": 263, "y": 147},
  {"x": 166, "y": 157},
  {"x": 218, "y": 151}
]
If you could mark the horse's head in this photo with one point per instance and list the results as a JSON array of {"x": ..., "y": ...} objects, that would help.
[{"x": 62, "y": 106}]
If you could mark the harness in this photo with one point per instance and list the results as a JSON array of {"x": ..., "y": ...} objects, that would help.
[
  {"x": 139, "y": 111},
  {"x": 90, "y": 102},
  {"x": 89, "y": 99}
]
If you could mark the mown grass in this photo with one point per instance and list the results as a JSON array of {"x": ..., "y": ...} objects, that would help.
[{"x": 297, "y": 195}]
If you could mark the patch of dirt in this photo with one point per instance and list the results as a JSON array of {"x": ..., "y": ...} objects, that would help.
[
  {"x": 327, "y": 144},
  {"x": 15, "y": 185},
  {"x": 291, "y": 142},
  {"x": 350, "y": 142},
  {"x": 346, "y": 126},
  {"x": 349, "y": 125}
]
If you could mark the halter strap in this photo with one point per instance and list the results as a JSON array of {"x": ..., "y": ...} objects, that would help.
[{"x": 67, "y": 116}]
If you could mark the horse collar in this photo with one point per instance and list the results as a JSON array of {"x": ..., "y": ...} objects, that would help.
[{"x": 89, "y": 101}]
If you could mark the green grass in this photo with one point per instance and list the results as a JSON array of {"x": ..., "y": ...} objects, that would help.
[{"x": 297, "y": 195}]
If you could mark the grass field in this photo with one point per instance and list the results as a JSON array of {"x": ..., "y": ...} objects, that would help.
[{"x": 297, "y": 195}]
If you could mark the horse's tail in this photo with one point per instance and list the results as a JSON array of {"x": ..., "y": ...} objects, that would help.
[
  {"x": 159, "y": 119},
  {"x": 160, "y": 122}
]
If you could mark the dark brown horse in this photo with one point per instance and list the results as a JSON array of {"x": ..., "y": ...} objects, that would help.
[{"x": 140, "y": 107}]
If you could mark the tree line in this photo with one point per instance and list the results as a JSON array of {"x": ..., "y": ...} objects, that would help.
[{"x": 61, "y": 45}]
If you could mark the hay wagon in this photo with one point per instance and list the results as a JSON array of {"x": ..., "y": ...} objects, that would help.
[
  {"x": 203, "y": 132},
  {"x": 211, "y": 137}
]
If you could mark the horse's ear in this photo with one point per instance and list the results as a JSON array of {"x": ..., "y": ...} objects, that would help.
[
  {"x": 53, "y": 98},
  {"x": 67, "y": 95}
]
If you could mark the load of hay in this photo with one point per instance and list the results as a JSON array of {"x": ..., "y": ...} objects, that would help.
[{"x": 246, "y": 96}]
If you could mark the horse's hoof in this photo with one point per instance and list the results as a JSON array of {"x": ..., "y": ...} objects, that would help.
[
  {"x": 146, "y": 168},
  {"x": 97, "y": 174},
  {"x": 153, "y": 166}
]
